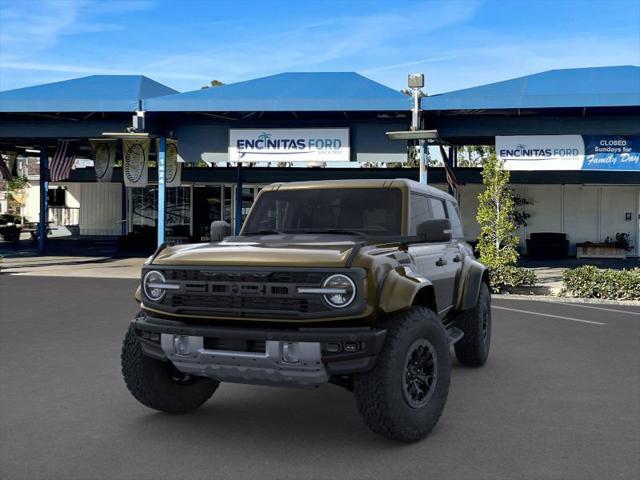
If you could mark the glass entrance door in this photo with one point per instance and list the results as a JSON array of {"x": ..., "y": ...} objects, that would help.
[
  {"x": 218, "y": 202},
  {"x": 210, "y": 203},
  {"x": 249, "y": 194}
]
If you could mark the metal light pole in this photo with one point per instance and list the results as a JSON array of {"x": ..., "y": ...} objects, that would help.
[{"x": 416, "y": 83}]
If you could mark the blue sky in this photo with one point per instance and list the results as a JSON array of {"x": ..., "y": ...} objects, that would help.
[{"x": 184, "y": 44}]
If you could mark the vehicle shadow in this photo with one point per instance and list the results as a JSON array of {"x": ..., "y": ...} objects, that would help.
[{"x": 280, "y": 418}]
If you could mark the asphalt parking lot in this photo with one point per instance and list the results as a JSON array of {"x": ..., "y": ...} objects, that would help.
[{"x": 558, "y": 399}]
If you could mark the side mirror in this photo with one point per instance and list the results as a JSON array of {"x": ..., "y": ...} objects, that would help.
[
  {"x": 434, "y": 230},
  {"x": 218, "y": 230}
]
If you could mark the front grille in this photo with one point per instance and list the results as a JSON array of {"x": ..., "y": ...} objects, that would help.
[
  {"x": 244, "y": 293},
  {"x": 254, "y": 304}
]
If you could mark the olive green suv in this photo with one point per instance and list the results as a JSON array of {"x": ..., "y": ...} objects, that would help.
[{"x": 365, "y": 284}]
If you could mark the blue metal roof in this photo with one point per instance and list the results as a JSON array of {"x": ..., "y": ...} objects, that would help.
[
  {"x": 288, "y": 92},
  {"x": 576, "y": 87},
  {"x": 96, "y": 93}
]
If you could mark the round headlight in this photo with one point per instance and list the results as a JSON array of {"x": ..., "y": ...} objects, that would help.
[
  {"x": 154, "y": 294},
  {"x": 344, "y": 291}
]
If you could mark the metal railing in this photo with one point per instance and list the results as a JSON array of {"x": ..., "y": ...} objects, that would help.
[{"x": 64, "y": 215}]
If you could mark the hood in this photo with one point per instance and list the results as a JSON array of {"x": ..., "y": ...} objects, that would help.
[{"x": 264, "y": 251}]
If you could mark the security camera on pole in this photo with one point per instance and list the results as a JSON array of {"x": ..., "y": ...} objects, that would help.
[{"x": 416, "y": 83}]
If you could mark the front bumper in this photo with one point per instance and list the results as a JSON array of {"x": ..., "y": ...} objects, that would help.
[{"x": 257, "y": 355}]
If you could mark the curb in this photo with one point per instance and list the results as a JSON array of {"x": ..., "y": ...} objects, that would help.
[{"x": 553, "y": 299}]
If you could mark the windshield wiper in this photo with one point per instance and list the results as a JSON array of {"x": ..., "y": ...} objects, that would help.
[
  {"x": 264, "y": 232},
  {"x": 339, "y": 231}
]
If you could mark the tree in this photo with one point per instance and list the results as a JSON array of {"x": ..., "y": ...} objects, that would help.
[
  {"x": 16, "y": 191},
  {"x": 474, "y": 155},
  {"x": 213, "y": 83},
  {"x": 497, "y": 243}
]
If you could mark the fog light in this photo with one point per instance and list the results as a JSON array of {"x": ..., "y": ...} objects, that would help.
[
  {"x": 181, "y": 344},
  {"x": 290, "y": 352},
  {"x": 350, "y": 347}
]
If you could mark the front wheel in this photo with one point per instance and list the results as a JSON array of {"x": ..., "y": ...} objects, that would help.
[
  {"x": 159, "y": 385},
  {"x": 473, "y": 348},
  {"x": 403, "y": 397}
]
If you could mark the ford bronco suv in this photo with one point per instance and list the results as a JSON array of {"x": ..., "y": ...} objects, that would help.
[{"x": 363, "y": 283}]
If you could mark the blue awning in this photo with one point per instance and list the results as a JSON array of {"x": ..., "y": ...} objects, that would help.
[
  {"x": 577, "y": 87},
  {"x": 288, "y": 92},
  {"x": 96, "y": 93}
]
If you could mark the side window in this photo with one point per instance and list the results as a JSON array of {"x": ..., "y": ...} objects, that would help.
[
  {"x": 454, "y": 217},
  {"x": 437, "y": 207},
  {"x": 419, "y": 211}
]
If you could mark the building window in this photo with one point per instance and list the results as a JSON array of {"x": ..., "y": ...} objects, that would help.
[
  {"x": 57, "y": 197},
  {"x": 144, "y": 210}
]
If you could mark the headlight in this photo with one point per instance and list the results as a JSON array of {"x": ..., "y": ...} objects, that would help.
[
  {"x": 150, "y": 285},
  {"x": 343, "y": 290}
]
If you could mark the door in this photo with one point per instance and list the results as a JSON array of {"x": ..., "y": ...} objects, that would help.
[
  {"x": 619, "y": 213},
  {"x": 207, "y": 207},
  {"x": 438, "y": 262},
  {"x": 432, "y": 261}
]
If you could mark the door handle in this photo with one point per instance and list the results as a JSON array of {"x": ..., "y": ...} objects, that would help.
[
  {"x": 441, "y": 262},
  {"x": 457, "y": 258}
]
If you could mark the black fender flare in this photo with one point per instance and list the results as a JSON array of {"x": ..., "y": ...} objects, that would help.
[{"x": 471, "y": 277}]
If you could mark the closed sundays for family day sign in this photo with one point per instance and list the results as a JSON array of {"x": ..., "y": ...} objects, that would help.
[
  {"x": 569, "y": 152},
  {"x": 289, "y": 145}
]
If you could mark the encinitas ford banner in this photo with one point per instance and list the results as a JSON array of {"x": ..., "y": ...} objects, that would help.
[
  {"x": 289, "y": 145},
  {"x": 611, "y": 152},
  {"x": 569, "y": 152}
]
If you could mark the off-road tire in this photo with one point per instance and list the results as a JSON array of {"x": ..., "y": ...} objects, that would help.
[
  {"x": 150, "y": 381},
  {"x": 379, "y": 393},
  {"x": 473, "y": 348}
]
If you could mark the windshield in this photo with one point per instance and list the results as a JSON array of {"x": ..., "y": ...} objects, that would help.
[{"x": 368, "y": 211}]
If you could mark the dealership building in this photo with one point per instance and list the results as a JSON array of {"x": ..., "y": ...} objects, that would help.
[{"x": 571, "y": 139}]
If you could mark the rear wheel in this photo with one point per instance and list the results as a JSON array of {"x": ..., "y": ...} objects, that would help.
[
  {"x": 159, "y": 385},
  {"x": 403, "y": 397},
  {"x": 473, "y": 348}
]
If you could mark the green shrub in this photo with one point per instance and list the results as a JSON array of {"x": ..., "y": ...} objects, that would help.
[
  {"x": 592, "y": 282},
  {"x": 505, "y": 277}
]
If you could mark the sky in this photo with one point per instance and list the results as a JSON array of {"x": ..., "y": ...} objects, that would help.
[{"x": 185, "y": 44}]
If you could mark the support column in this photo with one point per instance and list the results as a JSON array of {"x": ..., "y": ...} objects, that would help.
[
  {"x": 124, "y": 210},
  {"x": 238, "y": 215},
  {"x": 162, "y": 188},
  {"x": 422, "y": 156},
  {"x": 44, "y": 200}
]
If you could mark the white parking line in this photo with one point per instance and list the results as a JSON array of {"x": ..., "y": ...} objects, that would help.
[
  {"x": 548, "y": 315},
  {"x": 598, "y": 308}
]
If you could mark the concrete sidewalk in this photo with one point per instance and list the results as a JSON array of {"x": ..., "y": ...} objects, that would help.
[{"x": 68, "y": 266}]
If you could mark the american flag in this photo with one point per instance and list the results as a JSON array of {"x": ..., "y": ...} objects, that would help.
[
  {"x": 5, "y": 172},
  {"x": 448, "y": 169},
  {"x": 62, "y": 161}
]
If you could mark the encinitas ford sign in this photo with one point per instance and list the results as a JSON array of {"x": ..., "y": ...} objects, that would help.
[
  {"x": 541, "y": 152},
  {"x": 289, "y": 145},
  {"x": 569, "y": 152}
]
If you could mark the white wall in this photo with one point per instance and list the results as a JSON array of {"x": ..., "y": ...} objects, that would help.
[
  {"x": 31, "y": 208},
  {"x": 100, "y": 208},
  {"x": 583, "y": 212}
]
